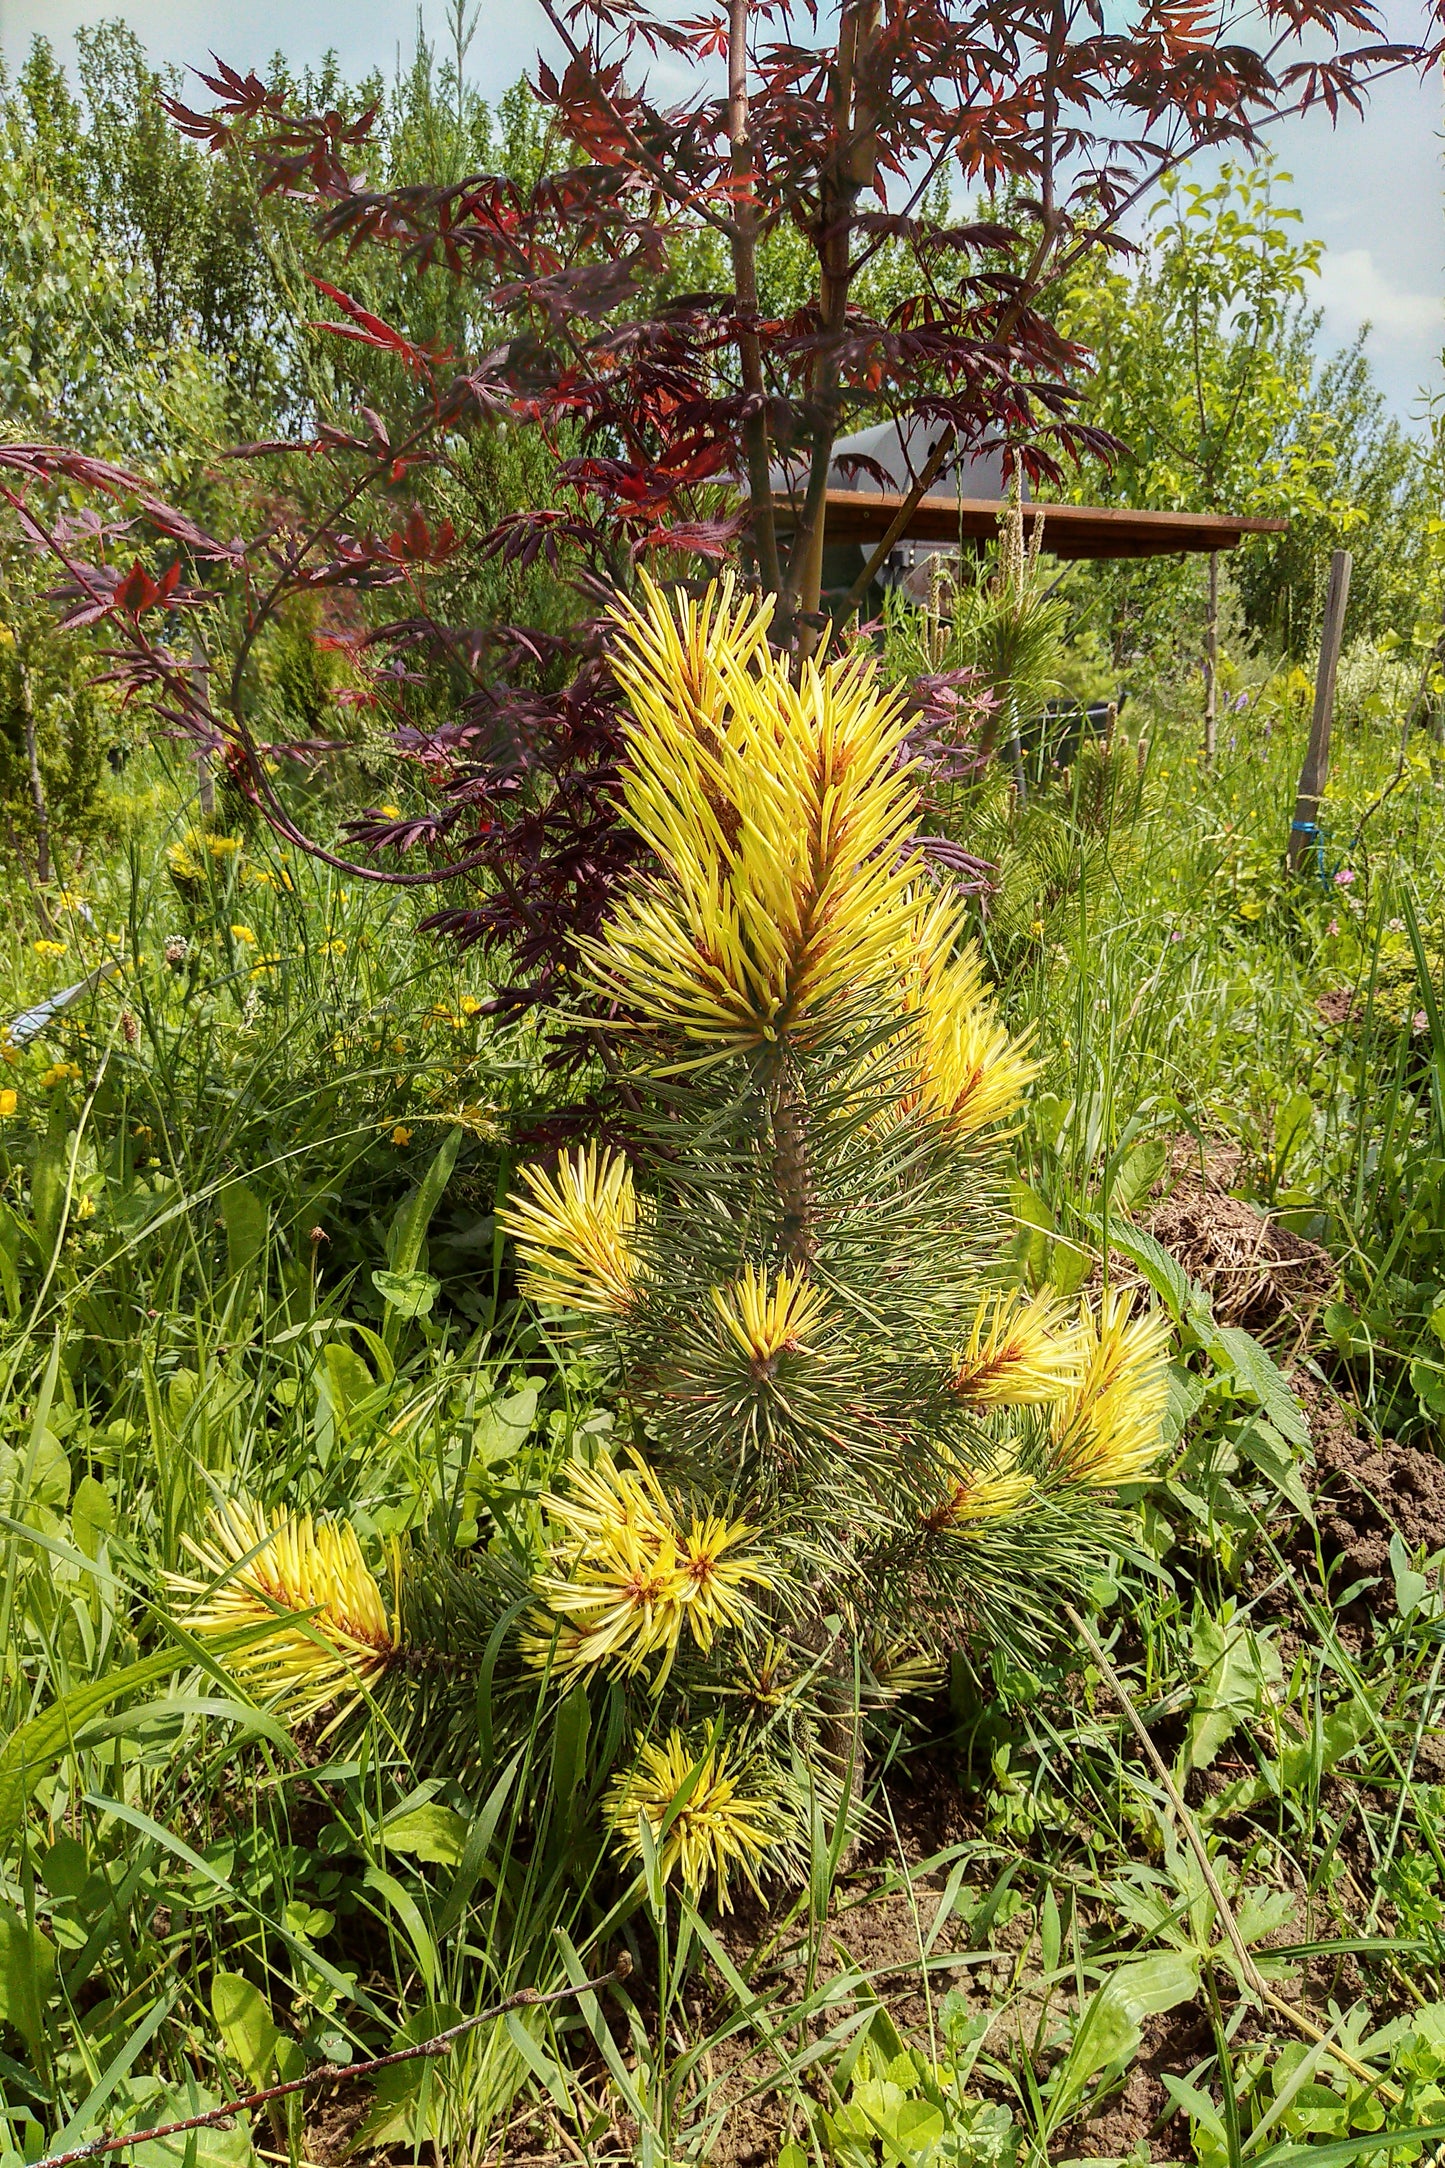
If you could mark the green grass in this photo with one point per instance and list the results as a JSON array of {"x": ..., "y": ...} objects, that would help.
[{"x": 211, "y": 1156}]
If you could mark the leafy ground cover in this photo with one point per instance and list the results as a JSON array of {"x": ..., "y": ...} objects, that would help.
[{"x": 250, "y": 1243}]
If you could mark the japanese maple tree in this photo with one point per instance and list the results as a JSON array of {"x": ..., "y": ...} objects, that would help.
[{"x": 685, "y": 424}]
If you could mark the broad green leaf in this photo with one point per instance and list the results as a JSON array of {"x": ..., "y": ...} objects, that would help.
[
  {"x": 246, "y": 2025},
  {"x": 1263, "y": 1446},
  {"x": 1411, "y": 1588},
  {"x": 410, "y": 1294},
  {"x": 29, "y": 1750},
  {"x": 408, "y": 1229},
  {"x": 27, "y": 1975},
  {"x": 433, "y": 1833},
  {"x": 247, "y": 1224},
  {"x": 1257, "y": 1374}
]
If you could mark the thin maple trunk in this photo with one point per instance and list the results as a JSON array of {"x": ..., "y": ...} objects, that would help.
[
  {"x": 745, "y": 287},
  {"x": 853, "y": 170}
]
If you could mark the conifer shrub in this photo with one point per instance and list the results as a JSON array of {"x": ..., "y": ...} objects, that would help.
[{"x": 846, "y": 1446}]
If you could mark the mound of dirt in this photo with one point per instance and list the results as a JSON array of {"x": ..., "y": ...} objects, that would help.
[
  {"x": 1256, "y": 1273},
  {"x": 1367, "y": 1488}
]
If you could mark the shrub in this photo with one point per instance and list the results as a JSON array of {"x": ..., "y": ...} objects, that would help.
[{"x": 846, "y": 1443}]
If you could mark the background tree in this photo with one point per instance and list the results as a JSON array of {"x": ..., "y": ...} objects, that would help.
[
  {"x": 654, "y": 406},
  {"x": 1208, "y": 363}
]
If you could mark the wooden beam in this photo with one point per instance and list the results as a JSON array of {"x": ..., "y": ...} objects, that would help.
[{"x": 1070, "y": 530}]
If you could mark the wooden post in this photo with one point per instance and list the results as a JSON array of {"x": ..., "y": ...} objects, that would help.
[
  {"x": 1313, "y": 776},
  {"x": 1211, "y": 661}
]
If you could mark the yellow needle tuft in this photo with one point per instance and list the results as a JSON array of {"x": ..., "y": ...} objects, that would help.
[
  {"x": 261, "y": 1567},
  {"x": 575, "y": 1233},
  {"x": 782, "y": 818},
  {"x": 704, "y": 1820},
  {"x": 766, "y": 1313},
  {"x": 1107, "y": 1431},
  {"x": 627, "y": 1576},
  {"x": 1018, "y": 1354}
]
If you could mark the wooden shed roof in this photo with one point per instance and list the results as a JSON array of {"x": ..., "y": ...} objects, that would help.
[{"x": 1070, "y": 530}]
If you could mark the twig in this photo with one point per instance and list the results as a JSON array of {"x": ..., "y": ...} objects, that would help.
[
  {"x": 1249, "y": 1971},
  {"x": 526, "y": 1998}
]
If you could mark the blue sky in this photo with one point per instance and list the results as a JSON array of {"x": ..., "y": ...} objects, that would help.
[{"x": 1371, "y": 191}]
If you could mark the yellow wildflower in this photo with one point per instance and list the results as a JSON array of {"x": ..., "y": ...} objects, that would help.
[
  {"x": 1107, "y": 1430},
  {"x": 9, "y": 1101},
  {"x": 335, "y": 1639},
  {"x": 48, "y": 948},
  {"x": 244, "y": 934},
  {"x": 575, "y": 1233},
  {"x": 1019, "y": 1353},
  {"x": 333, "y": 947},
  {"x": 60, "y": 1072},
  {"x": 766, "y": 1314},
  {"x": 705, "y": 1822},
  {"x": 401, "y": 1134}
]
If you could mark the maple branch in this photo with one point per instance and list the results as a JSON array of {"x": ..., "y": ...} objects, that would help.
[
  {"x": 526, "y": 1998},
  {"x": 899, "y": 523},
  {"x": 684, "y": 198}
]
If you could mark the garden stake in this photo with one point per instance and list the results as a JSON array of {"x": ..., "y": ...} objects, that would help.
[
  {"x": 1250, "y": 1973},
  {"x": 526, "y": 1998},
  {"x": 1304, "y": 830}
]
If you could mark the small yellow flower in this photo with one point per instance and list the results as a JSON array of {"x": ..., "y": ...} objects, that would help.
[
  {"x": 263, "y": 964},
  {"x": 60, "y": 1072},
  {"x": 48, "y": 948},
  {"x": 334, "y": 1637},
  {"x": 389, "y": 812},
  {"x": 85, "y": 1206},
  {"x": 245, "y": 934},
  {"x": 9, "y": 1101},
  {"x": 1019, "y": 1354},
  {"x": 706, "y": 1821},
  {"x": 1107, "y": 1431},
  {"x": 766, "y": 1314},
  {"x": 575, "y": 1233},
  {"x": 222, "y": 847},
  {"x": 469, "y": 1005},
  {"x": 401, "y": 1134},
  {"x": 333, "y": 947}
]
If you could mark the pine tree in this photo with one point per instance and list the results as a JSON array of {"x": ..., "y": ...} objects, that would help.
[{"x": 852, "y": 1446}]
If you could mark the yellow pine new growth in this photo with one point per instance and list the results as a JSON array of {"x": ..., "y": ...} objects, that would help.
[
  {"x": 1019, "y": 1353},
  {"x": 767, "y": 1312},
  {"x": 262, "y": 1568},
  {"x": 969, "y": 1072},
  {"x": 575, "y": 1233},
  {"x": 628, "y": 1577},
  {"x": 974, "y": 1495},
  {"x": 1107, "y": 1431},
  {"x": 781, "y": 815},
  {"x": 704, "y": 1821}
]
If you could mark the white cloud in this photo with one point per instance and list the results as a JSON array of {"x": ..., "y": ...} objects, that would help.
[{"x": 1351, "y": 289}]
